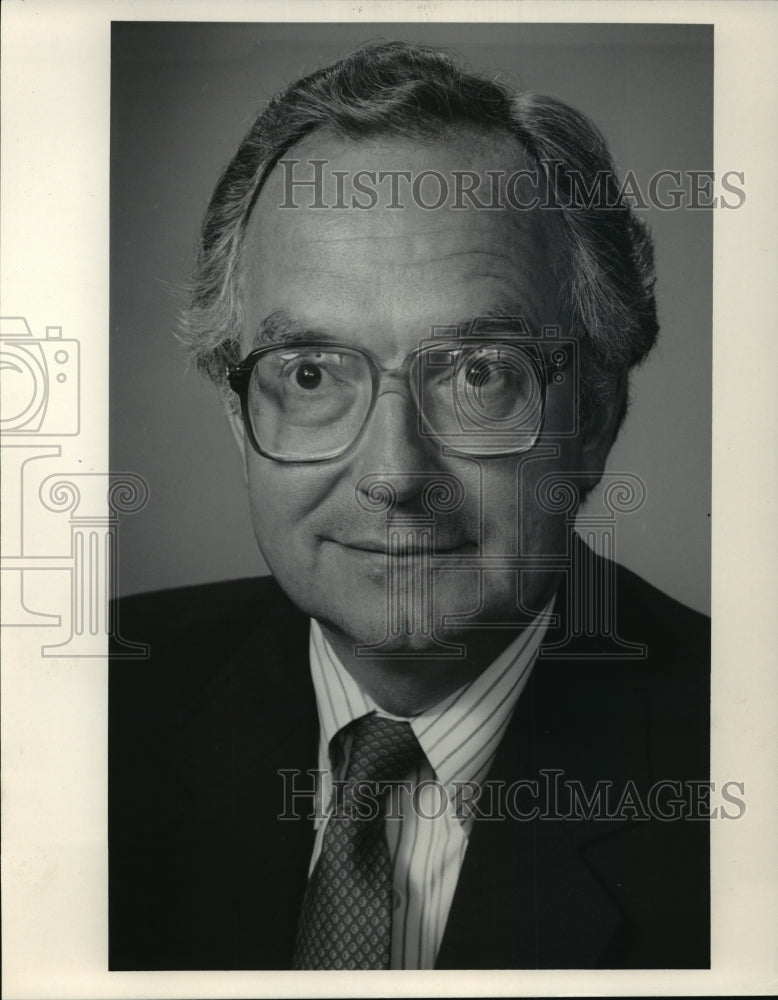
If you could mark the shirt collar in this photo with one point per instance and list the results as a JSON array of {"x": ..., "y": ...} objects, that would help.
[{"x": 458, "y": 735}]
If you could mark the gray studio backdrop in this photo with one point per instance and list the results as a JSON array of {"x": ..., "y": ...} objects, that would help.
[{"x": 182, "y": 97}]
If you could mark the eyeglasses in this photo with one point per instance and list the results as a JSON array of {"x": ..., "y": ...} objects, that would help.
[{"x": 478, "y": 396}]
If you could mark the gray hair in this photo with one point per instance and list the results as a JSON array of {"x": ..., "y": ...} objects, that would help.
[{"x": 398, "y": 89}]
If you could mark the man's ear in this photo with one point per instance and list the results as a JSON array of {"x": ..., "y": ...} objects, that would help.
[
  {"x": 600, "y": 432},
  {"x": 235, "y": 421}
]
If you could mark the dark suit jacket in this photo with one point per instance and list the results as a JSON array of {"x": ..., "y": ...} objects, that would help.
[{"x": 203, "y": 874}]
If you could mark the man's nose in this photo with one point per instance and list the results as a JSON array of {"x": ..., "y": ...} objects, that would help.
[{"x": 394, "y": 446}]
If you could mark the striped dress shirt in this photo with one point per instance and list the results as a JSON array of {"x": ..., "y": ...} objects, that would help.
[{"x": 428, "y": 832}]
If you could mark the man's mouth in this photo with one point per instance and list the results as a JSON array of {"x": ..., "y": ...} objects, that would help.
[{"x": 373, "y": 547}]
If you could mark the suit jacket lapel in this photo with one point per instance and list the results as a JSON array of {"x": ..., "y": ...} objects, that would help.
[{"x": 525, "y": 897}]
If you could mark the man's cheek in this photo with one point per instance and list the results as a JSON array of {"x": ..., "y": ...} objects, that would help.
[{"x": 281, "y": 492}]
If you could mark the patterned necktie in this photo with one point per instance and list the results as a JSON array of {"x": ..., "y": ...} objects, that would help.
[{"x": 346, "y": 918}]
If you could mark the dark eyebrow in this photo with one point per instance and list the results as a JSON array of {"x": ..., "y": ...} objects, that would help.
[
  {"x": 501, "y": 313},
  {"x": 281, "y": 328}
]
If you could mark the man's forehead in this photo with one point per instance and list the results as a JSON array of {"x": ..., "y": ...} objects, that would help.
[
  {"x": 405, "y": 267},
  {"x": 399, "y": 188}
]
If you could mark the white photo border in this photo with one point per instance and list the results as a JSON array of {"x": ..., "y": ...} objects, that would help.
[{"x": 55, "y": 106}]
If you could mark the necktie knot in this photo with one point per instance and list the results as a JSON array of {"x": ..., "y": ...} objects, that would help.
[{"x": 381, "y": 749}]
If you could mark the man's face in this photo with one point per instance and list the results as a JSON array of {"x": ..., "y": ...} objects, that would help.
[{"x": 379, "y": 280}]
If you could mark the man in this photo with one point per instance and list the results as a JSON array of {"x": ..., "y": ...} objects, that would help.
[{"x": 447, "y": 735}]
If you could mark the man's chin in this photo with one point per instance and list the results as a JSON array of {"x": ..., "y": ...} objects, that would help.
[
  {"x": 374, "y": 631},
  {"x": 414, "y": 646},
  {"x": 367, "y": 633},
  {"x": 359, "y": 626}
]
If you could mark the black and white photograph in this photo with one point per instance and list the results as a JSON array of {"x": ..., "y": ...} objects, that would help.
[
  {"x": 397, "y": 559},
  {"x": 420, "y": 288}
]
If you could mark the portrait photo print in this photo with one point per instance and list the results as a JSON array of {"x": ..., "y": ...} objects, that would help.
[{"x": 411, "y": 347}]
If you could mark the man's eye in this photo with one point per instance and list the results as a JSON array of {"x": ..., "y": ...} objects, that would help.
[
  {"x": 310, "y": 373},
  {"x": 308, "y": 376},
  {"x": 480, "y": 371},
  {"x": 487, "y": 368}
]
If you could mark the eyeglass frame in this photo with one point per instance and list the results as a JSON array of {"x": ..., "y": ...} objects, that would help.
[{"x": 239, "y": 378}]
